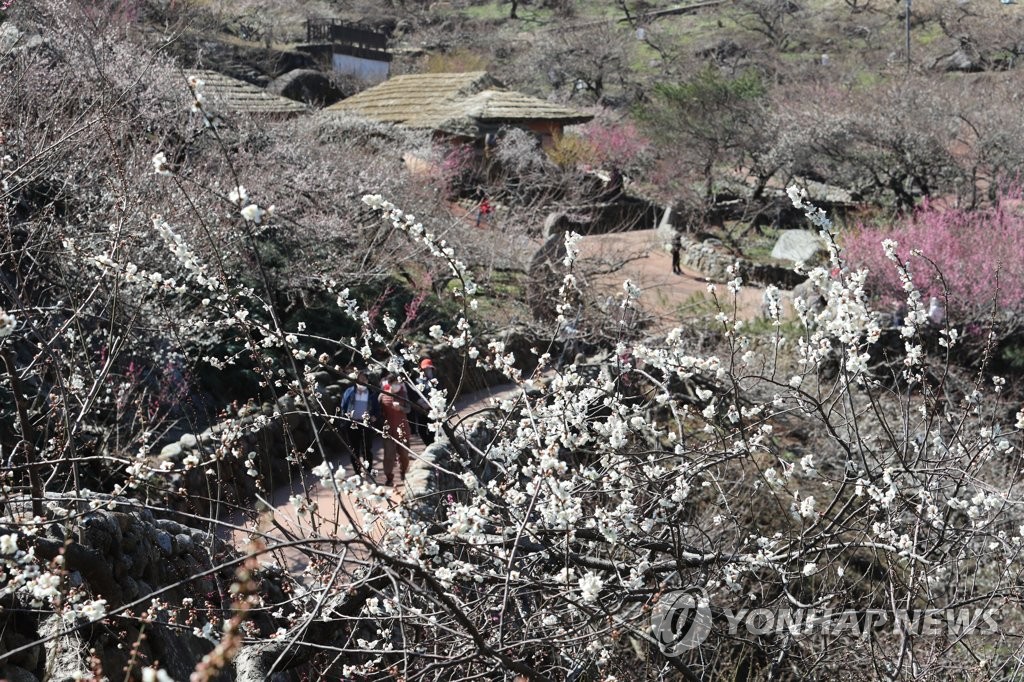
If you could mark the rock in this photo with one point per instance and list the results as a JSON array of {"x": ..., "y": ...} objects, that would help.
[
  {"x": 14, "y": 673},
  {"x": 172, "y": 527},
  {"x": 164, "y": 540},
  {"x": 177, "y": 652},
  {"x": 124, "y": 521},
  {"x": 170, "y": 452},
  {"x": 723, "y": 51},
  {"x": 130, "y": 588},
  {"x": 323, "y": 379},
  {"x": 183, "y": 542},
  {"x": 559, "y": 222},
  {"x": 552, "y": 223},
  {"x": 798, "y": 245},
  {"x": 963, "y": 60},
  {"x": 807, "y": 291},
  {"x": 307, "y": 85},
  {"x": 188, "y": 441},
  {"x": 9, "y": 37}
]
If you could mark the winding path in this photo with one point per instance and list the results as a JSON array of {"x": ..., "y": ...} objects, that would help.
[
  {"x": 286, "y": 520},
  {"x": 637, "y": 255},
  {"x": 641, "y": 258}
]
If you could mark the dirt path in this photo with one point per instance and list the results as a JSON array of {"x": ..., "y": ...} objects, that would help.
[
  {"x": 331, "y": 516},
  {"x": 669, "y": 298}
]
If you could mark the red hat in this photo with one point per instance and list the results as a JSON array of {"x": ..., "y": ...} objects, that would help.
[{"x": 426, "y": 362}]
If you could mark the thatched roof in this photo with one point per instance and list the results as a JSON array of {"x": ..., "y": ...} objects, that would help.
[
  {"x": 460, "y": 103},
  {"x": 231, "y": 94}
]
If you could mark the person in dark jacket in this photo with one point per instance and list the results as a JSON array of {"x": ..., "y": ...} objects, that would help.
[
  {"x": 677, "y": 247},
  {"x": 420, "y": 394},
  {"x": 362, "y": 408}
]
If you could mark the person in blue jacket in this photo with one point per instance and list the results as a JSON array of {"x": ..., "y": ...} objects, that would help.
[{"x": 360, "y": 406}]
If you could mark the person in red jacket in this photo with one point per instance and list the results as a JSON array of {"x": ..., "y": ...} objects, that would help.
[
  {"x": 483, "y": 211},
  {"x": 395, "y": 406}
]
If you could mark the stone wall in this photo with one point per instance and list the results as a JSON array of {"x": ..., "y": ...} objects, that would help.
[
  {"x": 624, "y": 213},
  {"x": 271, "y": 439},
  {"x": 708, "y": 257},
  {"x": 123, "y": 553}
]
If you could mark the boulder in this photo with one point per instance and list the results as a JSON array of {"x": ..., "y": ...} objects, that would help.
[
  {"x": 811, "y": 296},
  {"x": 723, "y": 51},
  {"x": 307, "y": 85},
  {"x": 170, "y": 452},
  {"x": 963, "y": 60},
  {"x": 9, "y": 36},
  {"x": 798, "y": 245},
  {"x": 559, "y": 222}
]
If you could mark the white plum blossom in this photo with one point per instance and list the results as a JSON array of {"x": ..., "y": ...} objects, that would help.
[
  {"x": 807, "y": 507},
  {"x": 160, "y": 165},
  {"x": 797, "y": 195},
  {"x": 155, "y": 675},
  {"x": 253, "y": 214},
  {"x": 94, "y": 610},
  {"x": 572, "y": 250},
  {"x": 238, "y": 195},
  {"x": 566, "y": 494},
  {"x": 7, "y": 323},
  {"x": 590, "y": 586}
]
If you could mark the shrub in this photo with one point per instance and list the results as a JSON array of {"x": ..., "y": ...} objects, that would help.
[
  {"x": 601, "y": 145},
  {"x": 572, "y": 151}
]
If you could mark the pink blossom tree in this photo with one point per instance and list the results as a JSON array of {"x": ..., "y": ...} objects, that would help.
[{"x": 975, "y": 259}]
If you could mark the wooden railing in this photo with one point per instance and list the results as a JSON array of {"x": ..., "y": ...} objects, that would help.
[{"x": 344, "y": 33}]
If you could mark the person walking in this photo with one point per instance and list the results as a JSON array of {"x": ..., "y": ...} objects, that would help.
[
  {"x": 677, "y": 247},
  {"x": 420, "y": 415},
  {"x": 361, "y": 408},
  {"x": 394, "y": 402},
  {"x": 483, "y": 211}
]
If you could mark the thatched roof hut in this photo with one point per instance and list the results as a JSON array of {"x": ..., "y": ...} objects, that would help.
[
  {"x": 230, "y": 94},
  {"x": 463, "y": 104}
]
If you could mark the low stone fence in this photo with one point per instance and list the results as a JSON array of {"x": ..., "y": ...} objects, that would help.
[
  {"x": 713, "y": 263},
  {"x": 118, "y": 550}
]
